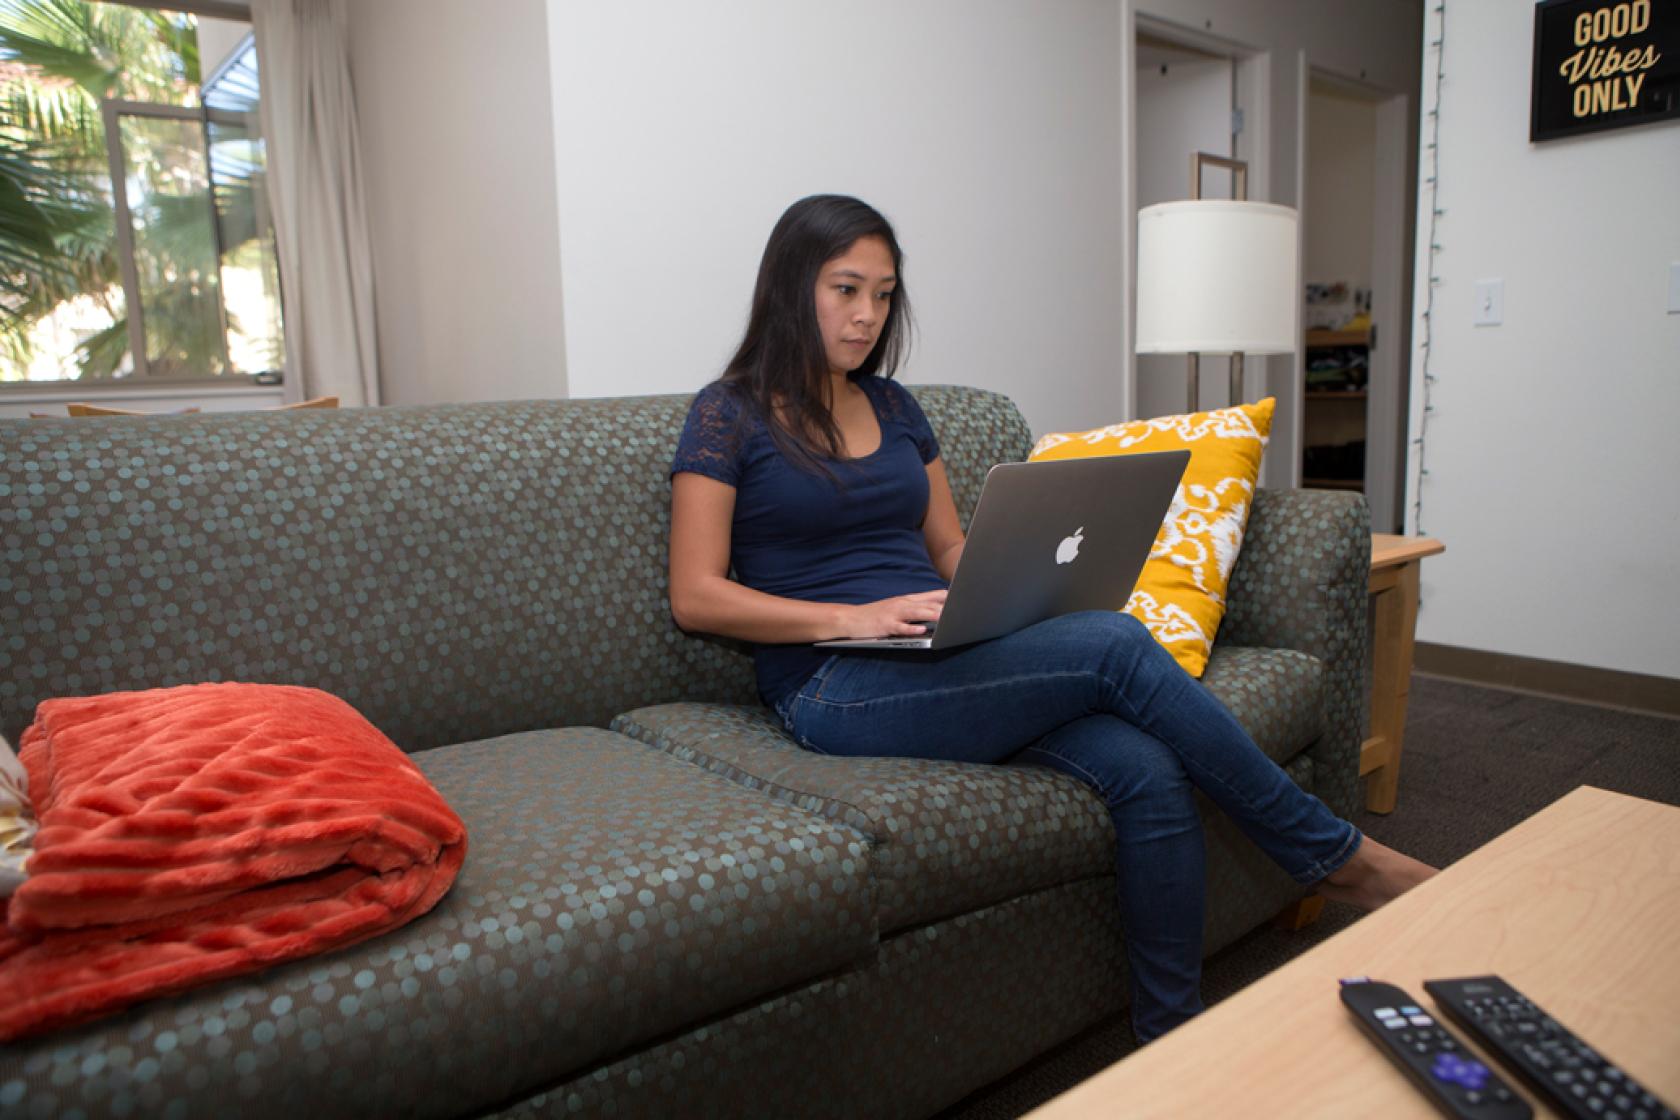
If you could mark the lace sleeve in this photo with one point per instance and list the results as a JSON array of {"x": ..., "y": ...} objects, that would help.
[
  {"x": 710, "y": 443},
  {"x": 902, "y": 407}
]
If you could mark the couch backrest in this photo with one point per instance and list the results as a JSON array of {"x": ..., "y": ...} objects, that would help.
[{"x": 453, "y": 571}]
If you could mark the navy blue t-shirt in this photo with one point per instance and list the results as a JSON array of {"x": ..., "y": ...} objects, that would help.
[{"x": 855, "y": 538}]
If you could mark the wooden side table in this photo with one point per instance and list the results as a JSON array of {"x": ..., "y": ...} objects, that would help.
[{"x": 1394, "y": 592}]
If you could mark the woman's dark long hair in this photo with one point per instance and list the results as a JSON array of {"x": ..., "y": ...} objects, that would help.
[{"x": 781, "y": 364}]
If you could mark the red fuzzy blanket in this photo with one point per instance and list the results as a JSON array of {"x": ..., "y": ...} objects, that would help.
[{"x": 190, "y": 834}]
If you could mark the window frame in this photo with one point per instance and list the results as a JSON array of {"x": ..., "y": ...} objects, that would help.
[
  {"x": 110, "y": 108},
  {"x": 216, "y": 9}
]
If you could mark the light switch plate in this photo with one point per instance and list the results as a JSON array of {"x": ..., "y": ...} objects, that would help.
[
  {"x": 1674, "y": 288},
  {"x": 1490, "y": 303}
]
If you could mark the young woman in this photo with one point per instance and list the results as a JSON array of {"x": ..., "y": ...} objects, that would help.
[{"x": 819, "y": 480}]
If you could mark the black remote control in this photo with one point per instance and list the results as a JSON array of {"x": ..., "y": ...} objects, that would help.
[
  {"x": 1571, "y": 1076},
  {"x": 1438, "y": 1063}
]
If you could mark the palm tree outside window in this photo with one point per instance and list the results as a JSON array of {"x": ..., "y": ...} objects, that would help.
[{"x": 135, "y": 237}]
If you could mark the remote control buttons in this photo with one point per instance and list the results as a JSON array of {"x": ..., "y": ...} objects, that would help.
[
  {"x": 1465, "y": 1072},
  {"x": 1573, "y": 1077},
  {"x": 1499, "y": 1095},
  {"x": 1426, "y": 1051}
]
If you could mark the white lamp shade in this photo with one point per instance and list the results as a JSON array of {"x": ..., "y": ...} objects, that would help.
[{"x": 1217, "y": 277}]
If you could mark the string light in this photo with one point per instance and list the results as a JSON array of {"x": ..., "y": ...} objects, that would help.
[{"x": 1433, "y": 147}]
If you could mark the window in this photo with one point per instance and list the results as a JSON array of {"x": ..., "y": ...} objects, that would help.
[{"x": 135, "y": 236}]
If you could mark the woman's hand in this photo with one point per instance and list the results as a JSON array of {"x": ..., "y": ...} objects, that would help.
[{"x": 903, "y": 616}]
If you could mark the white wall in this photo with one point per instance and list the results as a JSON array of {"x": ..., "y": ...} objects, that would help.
[
  {"x": 216, "y": 40},
  {"x": 990, "y": 131},
  {"x": 1341, "y": 158},
  {"x": 457, "y": 143},
  {"x": 993, "y": 132},
  {"x": 986, "y": 130},
  {"x": 1551, "y": 450}
]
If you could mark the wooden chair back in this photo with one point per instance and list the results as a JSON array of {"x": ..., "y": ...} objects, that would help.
[{"x": 82, "y": 408}]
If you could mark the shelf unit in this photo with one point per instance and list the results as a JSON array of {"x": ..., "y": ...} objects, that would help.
[
  {"x": 1356, "y": 336},
  {"x": 1334, "y": 422}
]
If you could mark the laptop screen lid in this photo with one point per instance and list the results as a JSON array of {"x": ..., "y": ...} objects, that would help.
[{"x": 1050, "y": 538}]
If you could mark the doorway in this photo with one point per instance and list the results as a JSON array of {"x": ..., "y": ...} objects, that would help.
[
  {"x": 1356, "y": 219},
  {"x": 1186, "y": 100},
  {"x": 1198, "y": 92}
]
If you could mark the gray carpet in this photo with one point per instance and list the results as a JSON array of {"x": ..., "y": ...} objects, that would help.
[{"x": 1477, "y": 761}]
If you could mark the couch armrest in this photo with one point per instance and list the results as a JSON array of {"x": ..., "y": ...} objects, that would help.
[{"x": 1301, "y": 583}]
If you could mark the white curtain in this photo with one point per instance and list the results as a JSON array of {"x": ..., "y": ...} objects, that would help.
[{"x": 315, "y": 185}]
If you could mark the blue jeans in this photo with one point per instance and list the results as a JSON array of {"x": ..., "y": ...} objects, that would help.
[{"x": 1092, "y": 695}]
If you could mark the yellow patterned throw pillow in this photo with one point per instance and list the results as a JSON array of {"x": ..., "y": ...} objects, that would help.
[{"x": 1181, "y": 594}]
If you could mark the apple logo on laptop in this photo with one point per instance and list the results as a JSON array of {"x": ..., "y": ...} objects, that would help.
[{"x": 1069, "y": 548}]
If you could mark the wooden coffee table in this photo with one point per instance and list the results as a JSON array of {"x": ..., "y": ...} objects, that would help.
[{"x": 1578, "y": 906}]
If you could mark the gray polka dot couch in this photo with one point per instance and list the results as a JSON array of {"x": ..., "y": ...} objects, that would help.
[{"x": 667, "y": 908}]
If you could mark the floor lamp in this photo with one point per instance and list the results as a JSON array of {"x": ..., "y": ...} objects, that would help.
[{"x": 1217, "y": 276}]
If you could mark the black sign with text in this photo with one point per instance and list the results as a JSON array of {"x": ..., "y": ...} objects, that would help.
[{"x": 1604, "y": 64}]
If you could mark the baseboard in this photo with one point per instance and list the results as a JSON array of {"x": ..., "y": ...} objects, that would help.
[{"x": 1610, "y": 688}]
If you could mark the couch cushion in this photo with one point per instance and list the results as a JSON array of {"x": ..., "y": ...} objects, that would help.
[
  {"x": 611, "y": 895},
  {"x": 952, "y": 837},
  {"x": 944, "y": 1009},
  {"x": 949, "y": 836},
  {"x": 1276, "y": 694}
]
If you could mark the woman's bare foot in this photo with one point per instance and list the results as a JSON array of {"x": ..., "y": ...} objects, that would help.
[{"x": 1375, "y": 875}]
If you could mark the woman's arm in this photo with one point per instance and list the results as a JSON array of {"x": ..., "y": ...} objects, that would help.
[
  {"x": 940, "y": 528},
  {"x": 704, "y": 598}
]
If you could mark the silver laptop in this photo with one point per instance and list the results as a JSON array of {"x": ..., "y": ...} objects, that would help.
[{"x": 1048, "y": 539}]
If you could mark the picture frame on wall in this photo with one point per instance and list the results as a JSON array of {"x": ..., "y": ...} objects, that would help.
[{"x": 1604, "y": 64}]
